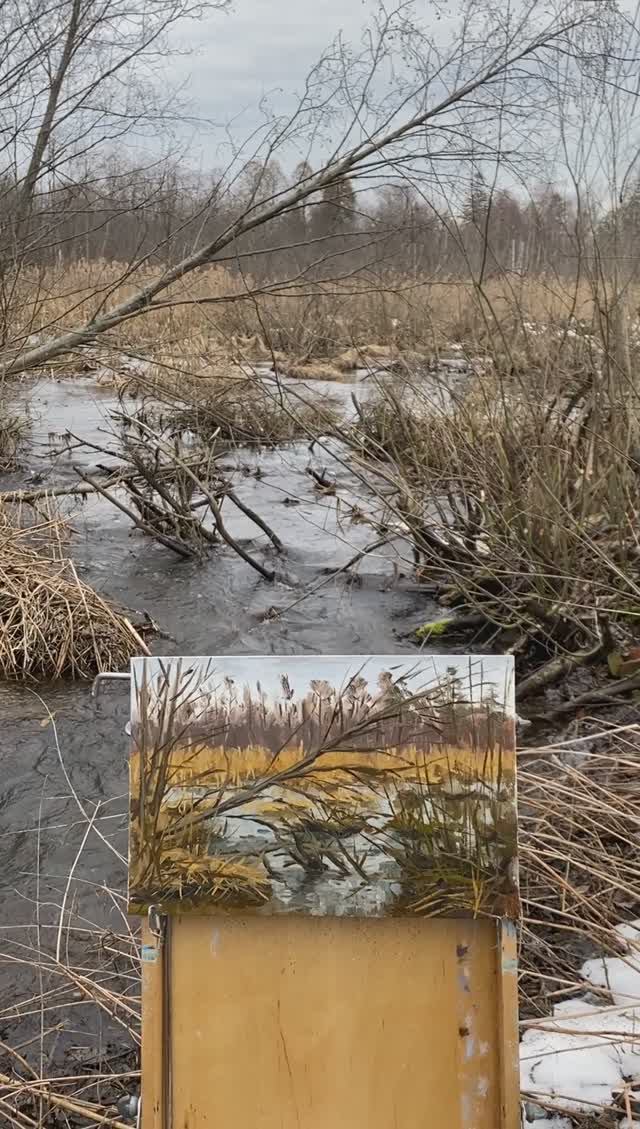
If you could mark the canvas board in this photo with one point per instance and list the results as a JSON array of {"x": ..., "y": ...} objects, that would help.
[{"x": 364, "y": 786}]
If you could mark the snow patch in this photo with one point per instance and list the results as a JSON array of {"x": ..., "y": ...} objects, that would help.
[{"x": 579, "y": 1057}]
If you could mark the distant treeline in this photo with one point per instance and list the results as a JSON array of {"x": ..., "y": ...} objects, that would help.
[
  {"x": 354, "y": 716},
  {"x": 118, "y": 213}
]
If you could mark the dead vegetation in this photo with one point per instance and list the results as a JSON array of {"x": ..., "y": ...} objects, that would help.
[
  {"x": 52, "y": 624},
  {"x": 354, "y": 323},
  {"x": 169, "y": 485},
  {"x": 14, "y": 430},
  {"x": 247, "y": 411},
  {"x": 520, "y": 502},
  {"x": 579, "y": 809},
  {"x": 579, "y": 854}
]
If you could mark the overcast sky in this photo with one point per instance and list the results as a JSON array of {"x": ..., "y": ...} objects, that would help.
[
  {"x": 264, "y": 45},
  {"x": 265, "y": 48},
  {"x": 257, "y": 49}
]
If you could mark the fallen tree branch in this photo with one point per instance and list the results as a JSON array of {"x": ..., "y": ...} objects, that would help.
[
  {"x": 256, "y": 519},
  {"x": 259, "y": 214},
  {"x": 170, "y": 542},
  {"x": 557, "y": 668},
  {"x": 590, "y": 697},
  {"x": 332, "y": 574},
  {"x": 268, "y": 574},
  {"x": 16, "y": 497}
]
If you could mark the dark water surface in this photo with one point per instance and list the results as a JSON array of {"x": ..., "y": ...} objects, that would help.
[{"x": 214, "y": 607}]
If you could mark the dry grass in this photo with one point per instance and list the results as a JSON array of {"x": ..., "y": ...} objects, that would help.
[
  {"x": 52, "y": 625},
  {"x": 521, "y": 505},
  {"x": 242, "y": 410},
  {"x": 579, "y": 812},
  {"x": 307, "y": 322},
  {"x": 14, "y": 430},
  {"x": 201, "y": 764}
]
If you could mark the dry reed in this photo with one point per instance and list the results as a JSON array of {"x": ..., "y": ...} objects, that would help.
[
  {"x": 307, "y": 322},
  {"x": 13, "y": 434},
  {"x": 52, "y": 625},
  {"x": 521, "y": 505},
  {"x": 244, "y": 410},
  {"x": 579, "y": 812}
]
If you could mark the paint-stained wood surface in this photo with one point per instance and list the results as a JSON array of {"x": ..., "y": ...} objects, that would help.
[
  {"x": 333, "y": 1023},
  {"x": 155, "y": 1046}
]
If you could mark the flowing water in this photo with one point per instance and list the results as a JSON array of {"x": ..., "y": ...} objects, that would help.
[{"x": 220, "y": 606}]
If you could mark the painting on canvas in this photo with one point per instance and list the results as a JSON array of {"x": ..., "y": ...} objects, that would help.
[{"x": 369, "y": 786}]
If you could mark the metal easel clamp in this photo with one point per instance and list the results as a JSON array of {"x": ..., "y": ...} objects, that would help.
[
  {"x": 157, "y": 924},
  {"x": 107, "y": 676}
]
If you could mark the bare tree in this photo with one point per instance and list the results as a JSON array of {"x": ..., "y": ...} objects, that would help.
[
  {"x": 76, "y": 77},
  {"x": 438, "y": 114}
]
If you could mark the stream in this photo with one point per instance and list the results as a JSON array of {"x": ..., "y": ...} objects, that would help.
[{"x": 219, "y": 606}]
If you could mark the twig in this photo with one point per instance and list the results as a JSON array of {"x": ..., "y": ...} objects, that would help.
[
  {"x": 555, "y": 669},
  {"x": 589, "y": 697},
  {"x": 62, "y": 1102},
  {"x": 273, "y": 537},
  {"x": 170, "y": 542}
]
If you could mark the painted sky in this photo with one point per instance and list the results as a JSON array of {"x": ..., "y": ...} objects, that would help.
[{"x": 422, "y": 670}]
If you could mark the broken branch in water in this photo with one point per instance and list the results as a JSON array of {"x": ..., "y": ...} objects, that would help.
[
  {"x": 170, "y": 542},
  {"x": 214, "y": 503},
  {"x": 162, "y": 479},
  {"x": 256, "y": 519},
  {"x": 333, "y": 573},
  {"x": 28, "y": 497}
]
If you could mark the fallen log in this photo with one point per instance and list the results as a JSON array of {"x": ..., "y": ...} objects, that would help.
[
  {"x": 557, "y": 668},
  {"x": 590, "y": 697}
]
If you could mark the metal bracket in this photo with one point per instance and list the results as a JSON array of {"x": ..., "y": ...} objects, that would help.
[
  {"x": 106, "y": 676},
  {"x": 157, "y": 924}
]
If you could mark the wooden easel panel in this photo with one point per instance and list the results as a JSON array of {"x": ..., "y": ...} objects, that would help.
[{"x": 332, "y": 1023}]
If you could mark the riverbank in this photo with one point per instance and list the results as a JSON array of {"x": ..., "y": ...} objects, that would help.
[{"x": 345, "y": 582}]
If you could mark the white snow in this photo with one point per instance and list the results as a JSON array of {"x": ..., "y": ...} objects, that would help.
[
  {"x": 620, "y": 975},
  {"x": 577, "y": 1058}
]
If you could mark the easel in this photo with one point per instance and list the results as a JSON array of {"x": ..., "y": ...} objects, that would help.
[{"x": 296, "y": 1021}]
